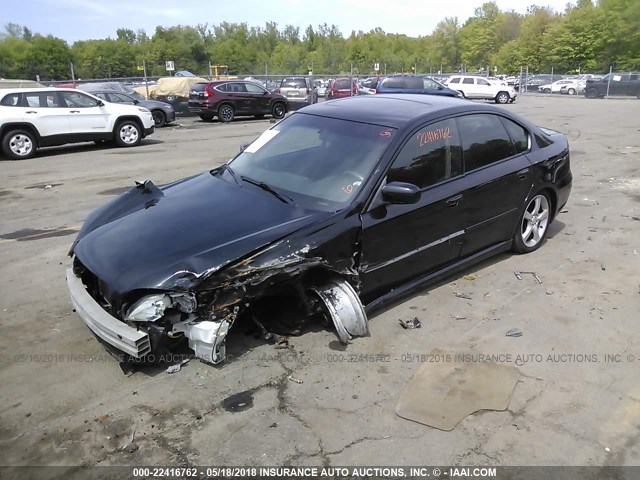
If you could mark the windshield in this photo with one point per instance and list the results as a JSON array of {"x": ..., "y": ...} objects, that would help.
[{"x": 319, "y": 162}]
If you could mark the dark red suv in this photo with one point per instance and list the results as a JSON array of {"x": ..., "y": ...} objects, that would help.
[
  {"x": 227, "y": 99},
  {"x": 339, "y": 88}
]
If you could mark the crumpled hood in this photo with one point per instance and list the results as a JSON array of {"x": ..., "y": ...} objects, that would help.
[{"x": 173, "y": 237}]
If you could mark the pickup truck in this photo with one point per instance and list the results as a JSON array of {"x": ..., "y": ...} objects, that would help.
[{"x": 621, "y": 84}]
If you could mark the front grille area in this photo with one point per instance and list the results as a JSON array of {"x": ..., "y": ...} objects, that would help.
[{"x": 94, "y": 286}]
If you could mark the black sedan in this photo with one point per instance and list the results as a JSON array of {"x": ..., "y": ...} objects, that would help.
[
  {"x": 333, "y": 212},
  {"x": 163, "y": 113}
]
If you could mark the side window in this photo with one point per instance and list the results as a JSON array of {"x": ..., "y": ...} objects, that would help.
[
  {"x": 467, "y": 81},
  {"x": 32, "y": 99},
  {"x": 252, "y": 88},
  {"x": 484, "y": 140},
  {"x": 428, "y": 83},
  {"x": 223, "y": 88},
  {"x": 454, "y": 80},
  {"x": 518, "y": 134},
  {"x": 11, "y": 100},
  {"x": 237, "y": 88},
  {"x": 103, "y": 96},
  {"x": 78, "y": 100},
  {"x": 119, "y": 98},
  {"x": 483, "y": 82},
  {"x": 431, "y": 155}
]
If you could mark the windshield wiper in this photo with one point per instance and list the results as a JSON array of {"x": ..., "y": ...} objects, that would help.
[
  {"x": 280, "y": 196},
  {"x": 231, "y": 172}
]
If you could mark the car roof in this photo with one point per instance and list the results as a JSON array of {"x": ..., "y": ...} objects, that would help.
[
  {"x": 393, "y": 110},
  {"x": 4, "y": 91}
]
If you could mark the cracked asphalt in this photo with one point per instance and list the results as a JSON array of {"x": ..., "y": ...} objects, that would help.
[{"x": 65, "y": 401}]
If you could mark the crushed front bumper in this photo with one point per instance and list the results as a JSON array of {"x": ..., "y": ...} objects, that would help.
[{"x": 108, "y": 328}]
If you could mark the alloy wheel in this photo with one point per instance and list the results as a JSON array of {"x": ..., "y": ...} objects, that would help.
[
  {"x": 129, "y": 134},
  {"x": 535, "y": 221}
]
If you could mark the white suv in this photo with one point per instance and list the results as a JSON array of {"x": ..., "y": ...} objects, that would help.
[
  {"x": 31, "y": 118},
  {"x": 481, "y": 88}
]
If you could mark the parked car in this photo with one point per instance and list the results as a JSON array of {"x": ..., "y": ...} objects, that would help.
[
  {"x": 414, "y": 84},
  {"x": 368, "y": 86},
  {"x": 110, "y": 87},
  {"x": 533, "y": 82},
  {"x": 31, "y": 118},
  {"x": 299, "y": 91},
  {"x": 333, "y": 212},
  {"x": 321, "y": 87},
  {"x": 481, "y": 89},
  {"x": 575, "y": 87},
  {"x": 227, "y": 99},
  {"x": 162, "y": 112},
  {"x": 620, "y": 84},
  {"x": 556, "y": 86},
  {"x": 342, "y": 87}
]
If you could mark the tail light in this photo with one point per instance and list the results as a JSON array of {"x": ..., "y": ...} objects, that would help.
[{"x": 208, "y": 91}]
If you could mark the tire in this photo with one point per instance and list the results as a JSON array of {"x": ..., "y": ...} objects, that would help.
[
  {"x": 591, "y": 93},
  {"x": 502, "y": 98},
  {"x": 546, "y": 90},
  {"x": 259, "y": 116},
  {"x": 206, "y": 117},
  {"x": 533, "y": 224},
  {"x": 571, "y": 91},
  {"x": 226, "y": 113},
  {"x": 278, "y": 110},
  {"x": 19, "y": 144},
  {"x": 127, "y": 134},
  {"x": 159, "y": 118}
]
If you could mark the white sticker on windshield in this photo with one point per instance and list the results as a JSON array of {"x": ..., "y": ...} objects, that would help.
[
  {"x": 617, "y": 78},
  {"x": 261, "y": 141}
]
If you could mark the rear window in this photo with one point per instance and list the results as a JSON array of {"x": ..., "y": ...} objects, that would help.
[
  {"x": 11, "y": 100},
  {"x": 199, "y": 87},
  {"x": 341, "y": 83},
  {"x": 294, "y": 82}
]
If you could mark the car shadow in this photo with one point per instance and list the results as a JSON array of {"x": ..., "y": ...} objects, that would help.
[{"x": 81, "y": 148}]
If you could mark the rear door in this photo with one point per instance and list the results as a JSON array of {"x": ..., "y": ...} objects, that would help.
[
  {"x": 498, "y": 176},
  {"x": 241, "y": 99},
  {"x": 468, "y": 87},
  {"x": 43, "y": 110},
  {"x": 401, "y": 242}
]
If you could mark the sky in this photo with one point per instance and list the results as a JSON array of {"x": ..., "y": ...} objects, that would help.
[{"x": 75, "y": 20}]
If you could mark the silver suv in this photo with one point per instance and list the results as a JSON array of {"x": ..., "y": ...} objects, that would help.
[{"x": 298, "y": 90}]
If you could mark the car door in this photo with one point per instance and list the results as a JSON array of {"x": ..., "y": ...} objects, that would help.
[
  {"x": 498, "y": 177},
  {"x": 42, "y": 110},
  {"x": 260, "y": 100},
  {"x": 241, "y": 99},
  {"x": 86, "y": 116},
  {"x": 404, "y": 241},
  {"x": 484, "y": 89},
  {"x": 468, "y": 87}
]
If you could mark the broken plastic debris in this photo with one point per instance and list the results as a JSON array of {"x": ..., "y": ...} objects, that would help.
[
  {"x": 514, "y": 332},
  {"x": 409, "y": 324},
  {"x": 470, "y": 277},
  {"x": 519, "y": 276},
  {"x": 129, "y": 440},
  {"x": 295, "y": 380},
  {"x": 177, "y": 367},
  {"x": 462, "y": 295},
  {"x": 607, "y": 449}
]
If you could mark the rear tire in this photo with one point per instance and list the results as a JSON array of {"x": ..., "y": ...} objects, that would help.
[
  {"x": 533, "y": 224},
  {"x": 571, "y": 91},
  {"x": 502, "y": 98},
  {"x": 279, "y": 110},
  {"x": 547, "y": 90},
  {"x": 159, "y": 118},
  {"x": 127, "y": 134},
  {"x": 226, "y": 113},
  {"x": 19, "y": 144}
]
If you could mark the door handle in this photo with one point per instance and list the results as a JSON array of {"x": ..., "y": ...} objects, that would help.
[
  {"x": 32, "y": 111},
  {"x": 522, "y": 174},
  {"x": 74, "y": 111},
  {"x": 453, "y": 201}
]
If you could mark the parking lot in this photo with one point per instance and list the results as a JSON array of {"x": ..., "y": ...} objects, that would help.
[{"x": 65, "y": 401}]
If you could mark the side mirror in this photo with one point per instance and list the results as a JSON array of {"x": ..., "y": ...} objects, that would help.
[
  {"x": 100, "y": 103},
  {"x": 400, "y": 192},
  {"x": 136, "y": 101},
  {"x": 244, "y": 145}
]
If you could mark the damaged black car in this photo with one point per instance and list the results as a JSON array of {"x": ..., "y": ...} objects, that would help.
[{"x": 339, "y": 209}]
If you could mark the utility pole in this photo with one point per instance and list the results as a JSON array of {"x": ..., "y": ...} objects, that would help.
[
  {"x": 146, "y": 84},
  {"x": 73, "y": 76}
]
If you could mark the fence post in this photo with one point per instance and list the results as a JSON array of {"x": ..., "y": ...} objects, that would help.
[{"x": 609, "y": 81}]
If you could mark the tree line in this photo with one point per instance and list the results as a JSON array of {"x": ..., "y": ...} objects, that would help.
[{"x": 586, "y": 37}]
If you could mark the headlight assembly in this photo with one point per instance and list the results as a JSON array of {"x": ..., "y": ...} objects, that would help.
[{"x": 149, "y": 308}]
